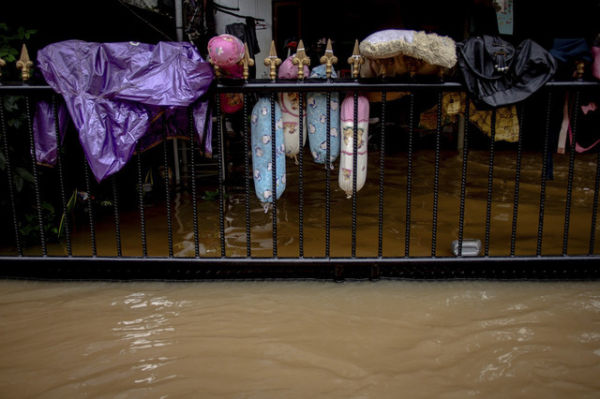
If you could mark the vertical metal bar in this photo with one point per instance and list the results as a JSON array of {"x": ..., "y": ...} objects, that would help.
[
  {"x": 381, "y": 175},
  {"x": 221, "y": 165},
  {"x": 513, "y": 235},
  {"x": 140, "y": 184},
  {"x": 595, "y": 207},
  {"x": 167, "y": 193},
  {"x": 488, "y": 211},
  {"x": 274, "y": 172},
  {"x": 61, "y": 177},
  {"x": 115, "y": 191},
  {"x": 36, "y": 182},
  {"x": 176, "y": 171},
  {"x": 436, "y": 176},
  {"x": 409, "y": 172},
  {"x": 328, "y": 179},
  {"x": 247, "y": 178},
  {"x": 301, "y": 175},
  {"x": 192, "y": 133},
  {"x": 90, "y": 203},
  {"x": 540, "y": 232},
  {"x": 9, "y": 178},
  {"x": 463, "y": 180},
  {"x": 573, "y": 121},
  {"x": 354, "y": 171}
]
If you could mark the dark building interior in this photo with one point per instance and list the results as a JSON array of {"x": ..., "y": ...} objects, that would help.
[{"x": 343, "y": 21}]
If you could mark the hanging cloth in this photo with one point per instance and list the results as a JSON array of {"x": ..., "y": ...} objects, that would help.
[
  {"x": 246, "y": 33},
  {"x": 113, "y": 91}
]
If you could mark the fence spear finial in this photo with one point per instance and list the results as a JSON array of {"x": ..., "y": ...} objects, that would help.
[
  {"x": 246, "y": 62},
  {"x": 328, "y": 59},
  {"x": 300, "y": 59},
  {"x": 272, "y": 61},
  {"x": 356, "y": 60},
  {"x": 25, "y": 64},
  {"x": 216, "y": 68}
]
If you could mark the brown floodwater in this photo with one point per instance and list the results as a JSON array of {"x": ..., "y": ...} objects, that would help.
[
  {"x": 386, "y": 339},
  {"x": 367, "y": 212},
  {"x": 321, "y": 339}
]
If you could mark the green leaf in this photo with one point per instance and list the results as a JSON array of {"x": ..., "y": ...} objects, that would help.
[
  {"x": 71, "y": 202},
  {"x": 210, "y": 195},
  {"x": 8, "y": 54},
  {"x": 70, "y": 205},
  {"x": 8, "y": 51},
  {"x": 3, "y": 26},
  {"x": 29, "y": 32},
  {"x": 60, "y": 225},
  {"x": 48, "y": 206},
  {"x": 25, "y": 174}
]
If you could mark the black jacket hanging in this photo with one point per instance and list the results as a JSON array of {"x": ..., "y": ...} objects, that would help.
[
  {"x": 246, "y": 33},
  {"x": 497, "y": 74}
]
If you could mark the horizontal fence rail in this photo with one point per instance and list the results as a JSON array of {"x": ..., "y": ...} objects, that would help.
[{"x": 443, "y": 200}]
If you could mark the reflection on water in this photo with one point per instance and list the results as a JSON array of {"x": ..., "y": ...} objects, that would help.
[
  {"x": 299, "y": 339},
  {"x": 367, "y": 221}
]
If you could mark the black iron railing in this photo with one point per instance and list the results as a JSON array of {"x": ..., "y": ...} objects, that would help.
[{"x": 22, "y": 258}]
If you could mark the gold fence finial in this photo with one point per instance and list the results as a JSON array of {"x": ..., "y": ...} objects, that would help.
[
  {"x": 300, "y": 59},
  {"x": 356, "y": 60},
  {"x": 216, "y": 68},
  {"x": 579, "y": 70},
  {"x": 329, "y": 59},
  {"x": 246, "y": 62},
  {"x": 25, "y": 64},
  {"x": 272, "y": 61}
]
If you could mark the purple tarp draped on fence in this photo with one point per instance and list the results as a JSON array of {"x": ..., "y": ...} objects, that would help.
[
  {"x": 114, "y": 90},
  {"x": 44, "y": 129}
]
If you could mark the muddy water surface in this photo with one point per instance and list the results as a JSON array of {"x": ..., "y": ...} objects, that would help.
[
  {"x": 299, "y": 339},
  {"x": 321, "y": 339},
  {"x": 394, "y": 216}
]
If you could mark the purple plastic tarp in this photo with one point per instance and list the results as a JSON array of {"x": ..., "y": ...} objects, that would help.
[
  {"x": 113, "y": 91},
  {"x": 44, "y": 130}
]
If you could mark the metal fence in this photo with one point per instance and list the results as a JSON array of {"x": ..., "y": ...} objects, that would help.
[{"x": 230, "y": 181}]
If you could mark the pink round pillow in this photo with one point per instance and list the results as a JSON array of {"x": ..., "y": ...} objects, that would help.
[
  {"x": 225, "y": 50},
  {"x": 231, "y": 102},
  {"x": 288, "y": 70}
]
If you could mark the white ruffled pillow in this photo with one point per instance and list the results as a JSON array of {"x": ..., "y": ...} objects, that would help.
[{"x": 428, "y": 47}]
